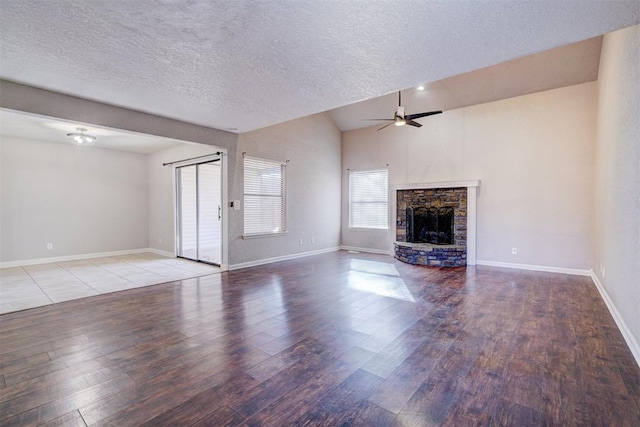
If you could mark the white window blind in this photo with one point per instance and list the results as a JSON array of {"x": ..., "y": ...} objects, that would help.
[
  {"x": 368, "y": 199},
  {"x": 264, "y": 196}
]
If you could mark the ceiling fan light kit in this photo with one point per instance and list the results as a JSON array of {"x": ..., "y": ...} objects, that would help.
[
  {"x": 81, "y": 137},
  {"x": 401, "y": 119}
]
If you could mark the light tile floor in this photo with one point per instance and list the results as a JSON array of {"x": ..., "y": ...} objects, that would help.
[{"x": 36, "y": 285}]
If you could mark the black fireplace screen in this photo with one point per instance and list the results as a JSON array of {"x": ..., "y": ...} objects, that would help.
[{"x": 430, "y": 225}]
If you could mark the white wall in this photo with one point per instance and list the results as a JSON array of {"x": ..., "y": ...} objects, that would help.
[
  {"x": 312, "y": 146},
  {"x": 81, "y": 199},
  {"x": 617, "y": 178},
  {"x": 533, "y": 155}
]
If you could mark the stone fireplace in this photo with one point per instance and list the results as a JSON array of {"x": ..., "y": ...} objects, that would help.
[{"x": 432, "y": 224}]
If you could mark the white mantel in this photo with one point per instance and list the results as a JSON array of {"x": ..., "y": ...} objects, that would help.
[{"x": 470, "y": 185}]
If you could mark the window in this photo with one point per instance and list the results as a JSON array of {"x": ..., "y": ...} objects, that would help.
[
  {"x": 368, "y": 199},
  {"x": 264, "y": 201}
]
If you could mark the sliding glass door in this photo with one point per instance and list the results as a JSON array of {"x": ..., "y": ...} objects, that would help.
[
  {"x": 209, "y": 213},
  {"x": 199, "y": 212}
]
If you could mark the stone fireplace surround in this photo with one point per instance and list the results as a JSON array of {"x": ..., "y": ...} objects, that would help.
[{"x": 450, "y": 193}]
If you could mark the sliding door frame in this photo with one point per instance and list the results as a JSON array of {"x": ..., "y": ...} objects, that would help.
[{"x": 224, "y": 203}]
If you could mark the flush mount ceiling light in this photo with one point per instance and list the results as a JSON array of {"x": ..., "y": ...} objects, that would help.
[
  {"x": 81, "y": 137},
  {"x": 421, "y": 87}
]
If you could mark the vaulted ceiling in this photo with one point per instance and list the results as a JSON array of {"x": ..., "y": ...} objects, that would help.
[{"x": 243, "y": 65}]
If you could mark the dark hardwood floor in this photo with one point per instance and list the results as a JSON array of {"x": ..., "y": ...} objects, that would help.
[{"x": 339, "y": 339}]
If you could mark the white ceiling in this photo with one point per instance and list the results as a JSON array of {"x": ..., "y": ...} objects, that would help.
[
  {"x": 247, "y": 64},
  {"x": 41, "y": 128}
]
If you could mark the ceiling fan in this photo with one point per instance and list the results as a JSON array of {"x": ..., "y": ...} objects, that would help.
[{"x": 400, "y": 119}]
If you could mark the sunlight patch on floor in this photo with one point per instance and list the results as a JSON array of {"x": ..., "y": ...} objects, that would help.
[{"x": 379, "y": 278}]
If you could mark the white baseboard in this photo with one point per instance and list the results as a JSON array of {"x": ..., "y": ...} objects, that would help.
[
  {"x": 73, "y": 257},
  {"x": 160, "y": 252},
  {"x": 8, "y": 264},
  {"x": 532, "y": 267},
  {"x": 622, "y": 326},
  {"x": 281, "y": 258},
  {"x": 367, "y": 250}
]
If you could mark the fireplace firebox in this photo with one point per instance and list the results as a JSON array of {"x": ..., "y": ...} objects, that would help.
[{"x": 430, "y": 225}]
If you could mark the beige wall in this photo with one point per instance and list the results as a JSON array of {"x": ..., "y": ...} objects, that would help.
[
  {"x": 533, "y": 155},
  {"x": 83, "y": 200},
  {"x": 159, "y": 222},
  {"x": 312, "y": 146},
  {"x": 43, "y": 102},
  {"x": 617, "y": 177}
]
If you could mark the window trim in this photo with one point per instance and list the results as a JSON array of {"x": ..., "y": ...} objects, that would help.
[{"x": 360, "y": 228}]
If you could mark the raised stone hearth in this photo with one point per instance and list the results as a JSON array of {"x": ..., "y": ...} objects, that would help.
[{"x": 429, "y": 254}]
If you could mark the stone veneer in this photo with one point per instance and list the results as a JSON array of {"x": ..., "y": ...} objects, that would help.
[
  {"x": 425, "y": 253},
  {"x": 428, "y": 254}
]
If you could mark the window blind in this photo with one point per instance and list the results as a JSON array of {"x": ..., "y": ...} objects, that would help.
[
  {"x": 264, "y": 196},
  {"x": 368, "y": 199}
]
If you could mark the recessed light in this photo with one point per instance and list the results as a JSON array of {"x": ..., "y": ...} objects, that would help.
[{"x": 421, "y": 87}]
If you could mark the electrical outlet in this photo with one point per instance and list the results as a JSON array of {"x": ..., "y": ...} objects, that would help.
[
  {"x": 313, "y": 240},
  {"x": 159, "y": 240},
  {"x": 49, "y": 246},
  {"x": 300, "y": 241},
  {"x": 514, "y": 251}
]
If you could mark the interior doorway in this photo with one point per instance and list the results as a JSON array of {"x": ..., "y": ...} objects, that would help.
[{"x": 199, "y": 211}]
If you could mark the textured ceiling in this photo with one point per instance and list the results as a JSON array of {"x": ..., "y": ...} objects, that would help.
[{"x": 249, "y": 64}]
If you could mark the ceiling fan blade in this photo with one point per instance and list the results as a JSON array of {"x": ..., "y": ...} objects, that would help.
[
  {"x": 400, "y": 116},
  {"x": 386, "y": 125},
  {"x": 418, "y": 115}
]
